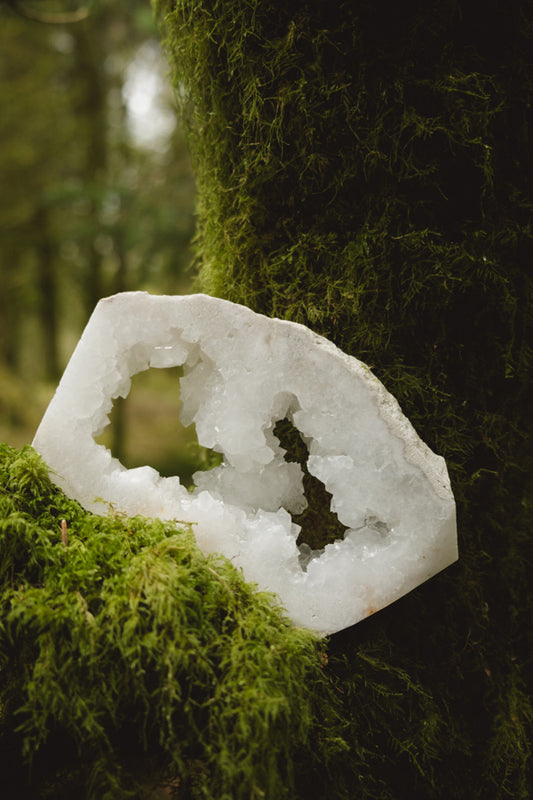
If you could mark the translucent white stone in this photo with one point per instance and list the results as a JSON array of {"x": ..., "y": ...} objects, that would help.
[{"x": 242, "y": 373}]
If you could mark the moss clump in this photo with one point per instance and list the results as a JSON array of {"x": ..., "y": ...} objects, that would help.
[
  {"x": 128, "y": 659},
  {"x": 366, "y": 169}
]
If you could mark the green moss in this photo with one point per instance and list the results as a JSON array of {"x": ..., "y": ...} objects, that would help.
[
  {"x": 366, "y": 169},
  {"x": 128, "y": 659}
]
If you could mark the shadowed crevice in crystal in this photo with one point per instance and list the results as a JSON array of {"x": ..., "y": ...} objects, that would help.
[{"x": 320, "y": 526}]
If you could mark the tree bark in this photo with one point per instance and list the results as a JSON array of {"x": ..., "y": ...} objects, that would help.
[{"x": 367, "y": 170}]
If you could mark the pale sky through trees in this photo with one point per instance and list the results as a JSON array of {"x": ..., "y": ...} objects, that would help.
[{"x": 148, "y": 97}]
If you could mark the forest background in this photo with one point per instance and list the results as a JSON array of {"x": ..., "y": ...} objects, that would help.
[{"x": 97, "y": 197}]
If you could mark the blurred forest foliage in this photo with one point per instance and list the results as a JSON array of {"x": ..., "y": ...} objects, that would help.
[{"x": 97, "y": 197}]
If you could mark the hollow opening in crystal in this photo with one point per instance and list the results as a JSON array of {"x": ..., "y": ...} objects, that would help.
[{"x": 145, "y": 428}]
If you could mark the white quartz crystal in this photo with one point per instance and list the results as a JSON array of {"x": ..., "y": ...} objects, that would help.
[{"x": 242, "y": 373}]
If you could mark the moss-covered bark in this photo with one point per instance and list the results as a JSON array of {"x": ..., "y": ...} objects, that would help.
[{"x": 366, "y": 169}]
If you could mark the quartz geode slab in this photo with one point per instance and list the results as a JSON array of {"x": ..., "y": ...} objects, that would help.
[{"x": 242, "y": 373}]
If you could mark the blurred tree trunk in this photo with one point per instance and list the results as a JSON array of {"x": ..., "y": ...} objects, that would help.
[
  {"x": 46, "y": 256},
  {"x": 92, "y": 106},
  {"x": 10, "y": 305}
]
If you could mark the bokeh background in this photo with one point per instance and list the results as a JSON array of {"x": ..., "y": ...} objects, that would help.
[{"x": 96, "y": 196}]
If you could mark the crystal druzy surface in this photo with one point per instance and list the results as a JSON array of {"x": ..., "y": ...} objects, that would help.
[{"x": 243, "y": 372}]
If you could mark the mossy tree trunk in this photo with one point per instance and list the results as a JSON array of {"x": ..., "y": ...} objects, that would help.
[{"x": 366, "y": 169}]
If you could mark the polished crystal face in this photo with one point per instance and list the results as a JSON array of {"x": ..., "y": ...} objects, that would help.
[{"x": 244, "y": 372}]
